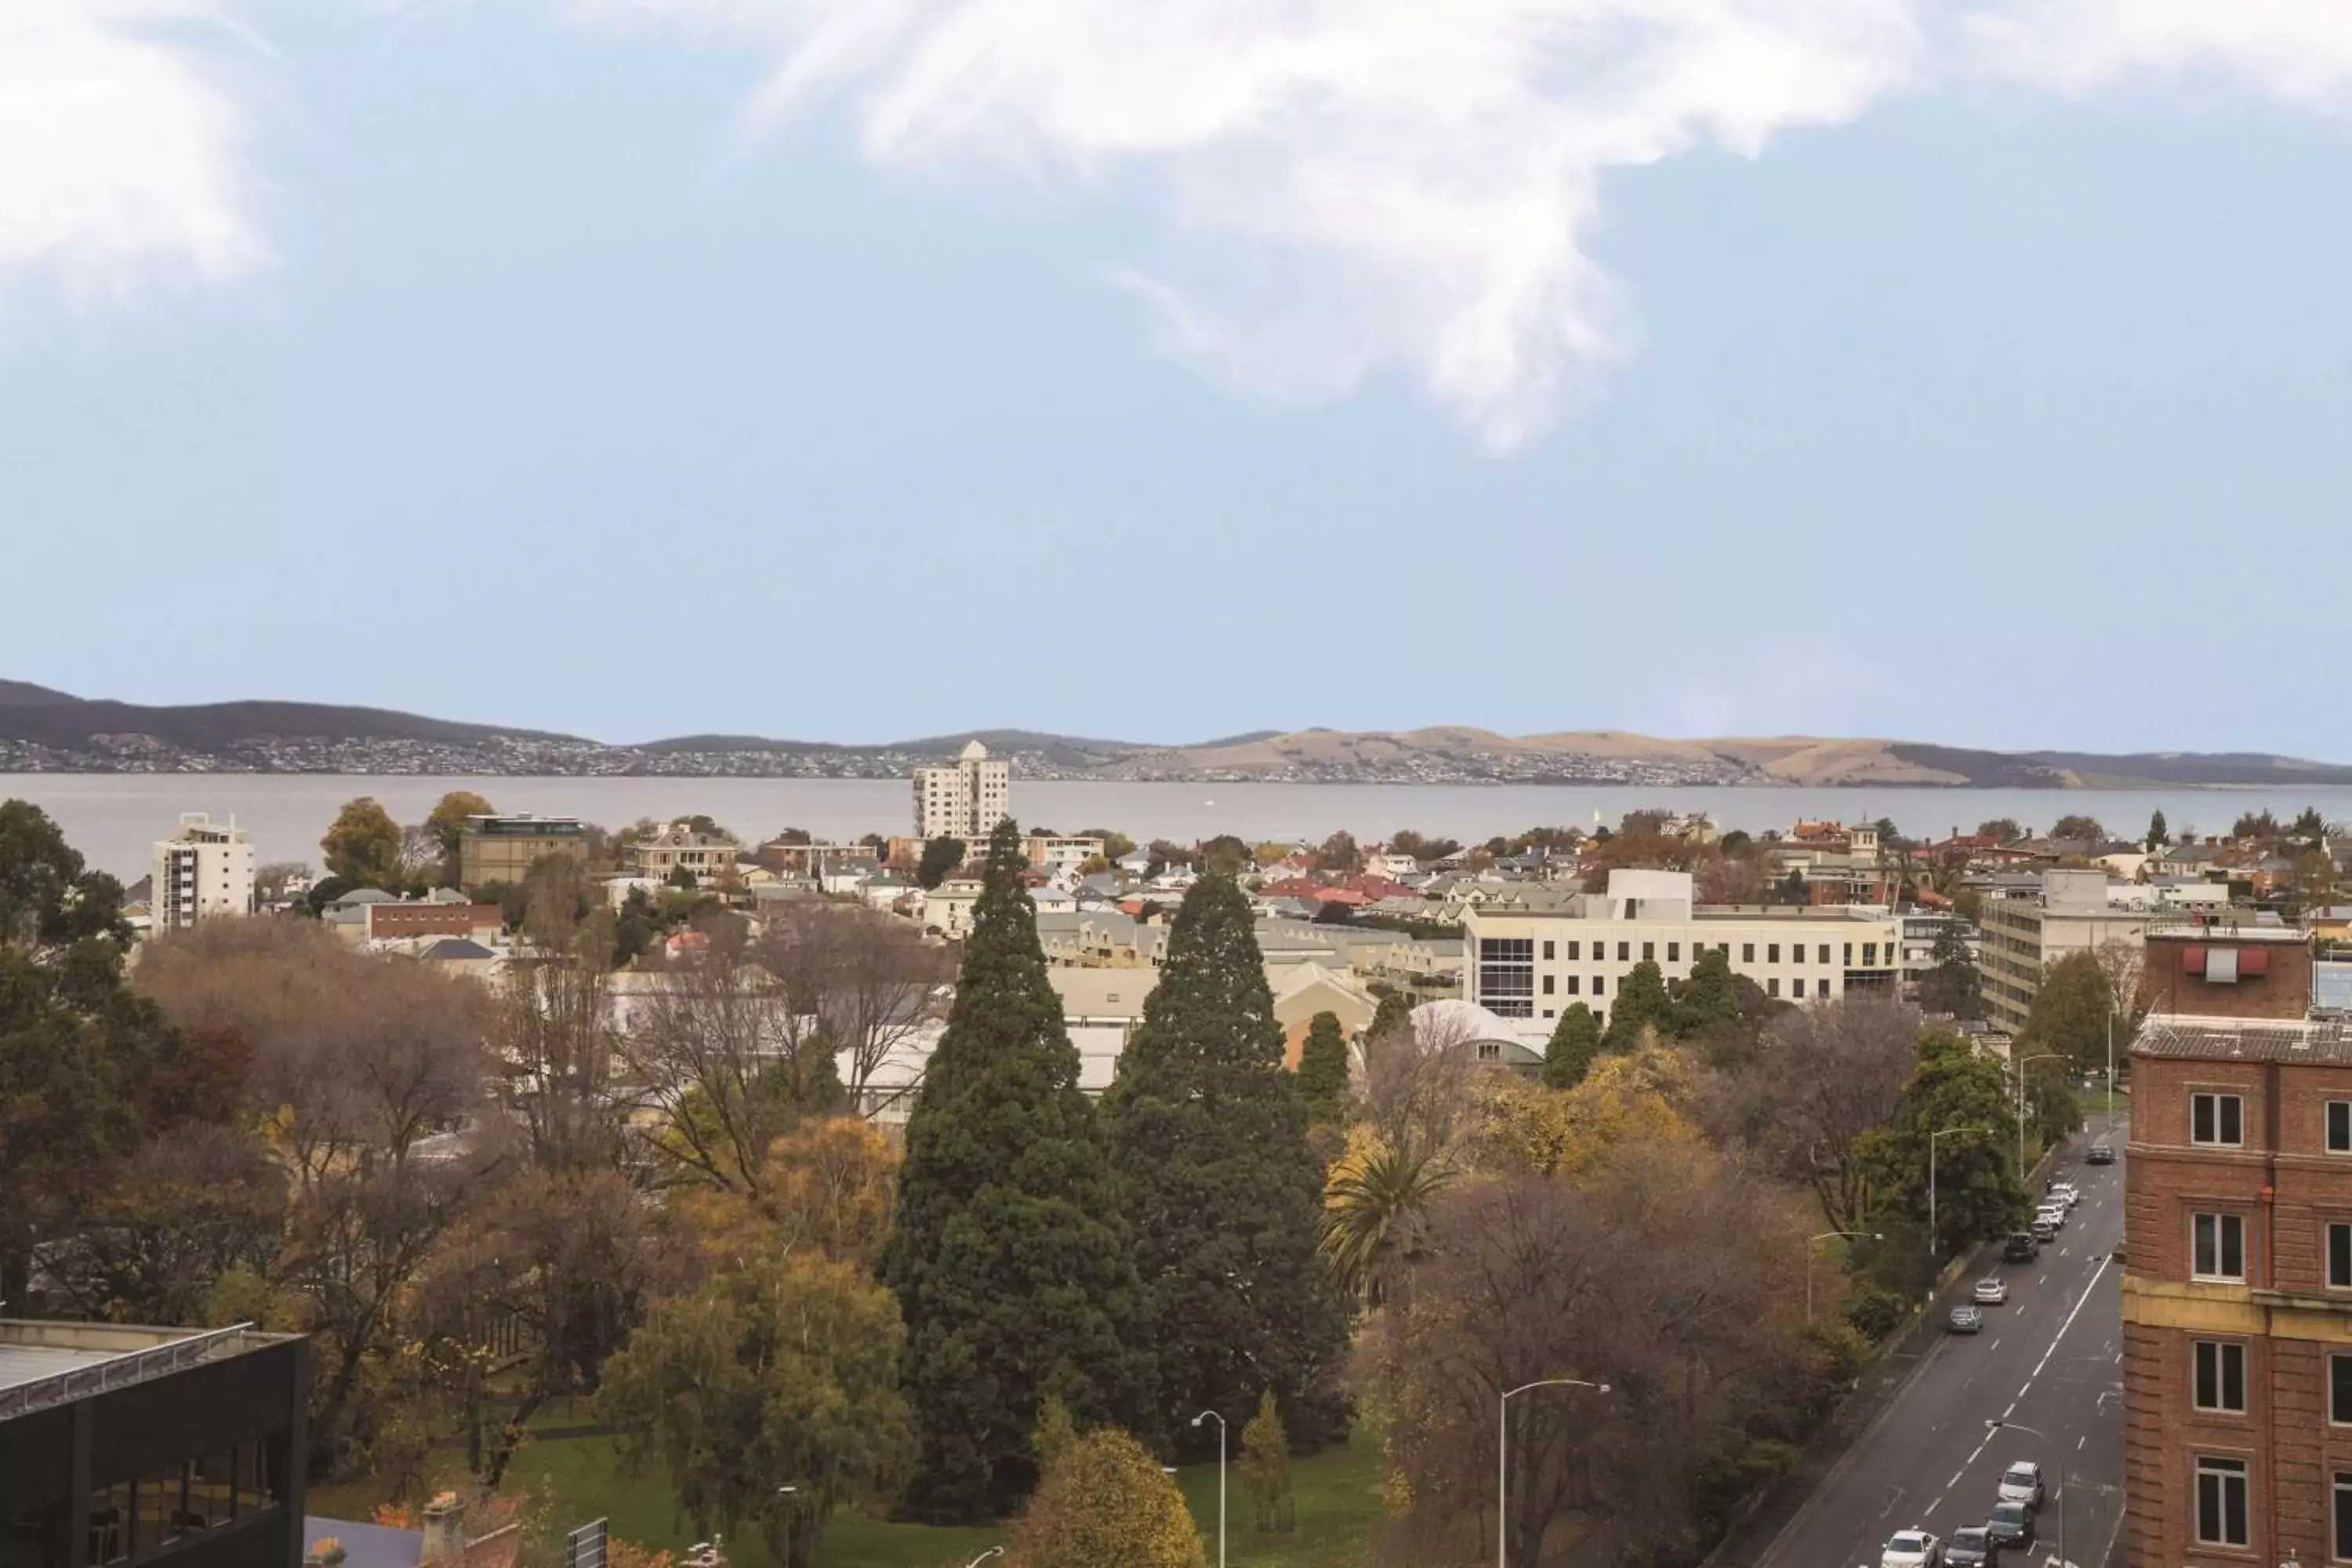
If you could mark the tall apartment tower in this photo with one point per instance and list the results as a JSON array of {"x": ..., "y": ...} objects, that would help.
[
  {"x": 2237, "y": 1284},
  {"x": 204, "y": 869},
  {"x": 966, "y": 801}
]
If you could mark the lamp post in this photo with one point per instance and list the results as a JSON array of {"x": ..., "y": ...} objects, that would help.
[
  {"x": 2052, "y": 1448},
  {"x": 2021, "y": 1064},
  {"x": 1815, "y": 1241},
  {"x": 1934, "y": 1237},
  {"x": 1503, "y": 1456},
  {"x": 1213, "y": 1416},
  {"x": 991, "y": 1551}
]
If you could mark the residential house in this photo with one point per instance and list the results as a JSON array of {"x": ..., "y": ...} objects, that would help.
[{"x": 680, "y": 847}]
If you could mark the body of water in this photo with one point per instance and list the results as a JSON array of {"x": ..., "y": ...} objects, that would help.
[{"x": 113, "y": 817}]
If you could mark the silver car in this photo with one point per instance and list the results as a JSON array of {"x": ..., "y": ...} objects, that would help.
[{"x": 2021, "y": 1482}]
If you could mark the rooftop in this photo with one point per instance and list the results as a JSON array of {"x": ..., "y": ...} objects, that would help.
[
  {"x": 44, "y": 1363},
  {"x": 2195, "y": 1036}
]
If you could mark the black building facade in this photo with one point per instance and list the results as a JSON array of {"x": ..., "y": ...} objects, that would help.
[{"x": 128, "y": 1445}]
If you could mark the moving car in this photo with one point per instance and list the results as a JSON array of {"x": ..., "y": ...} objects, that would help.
[
  {"x": 2021, "y": 1482},
  {"x": 2022, "y": 1247},
  {"x": 2099, "y": 1155},
  {"x": 1991, "y": 1290},
  {"x": 2011, "y": 1524},
  {"x": 1972, "y": 1547},
  {"x": 1965, "y": 1320},
  {"x": 1912, "y": 1549}
]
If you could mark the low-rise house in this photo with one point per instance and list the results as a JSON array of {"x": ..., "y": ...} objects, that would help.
[
  {"x": 948, "y": 908},
  {"x": 679, "y": 848},
  {"x": 1306, "y": 988}
]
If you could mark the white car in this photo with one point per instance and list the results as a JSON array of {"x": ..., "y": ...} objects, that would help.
[
  {"x": 1912, "y": 1549},
  {"x": 2065, "y": 1194},
  {"x": 1991, "y": 1290},
  {"x": 2055, "y": 1214},
  {"x": 2021, "y": 1482}
]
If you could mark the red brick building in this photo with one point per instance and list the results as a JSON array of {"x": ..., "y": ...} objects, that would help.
[{"x": 2237, "y": 1291}]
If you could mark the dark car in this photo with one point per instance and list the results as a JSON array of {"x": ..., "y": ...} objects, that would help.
[
  {"x": 1972, "y": 1547},
  {"x": 2099, "y": 1155},
  {"x": 2021, "y": 1247},
  {"x": 2011, "y": 1524}
]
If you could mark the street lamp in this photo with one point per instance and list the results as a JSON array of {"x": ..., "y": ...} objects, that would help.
[
  {"x": 991, "y": 1551},
  {"x": 1816, "y": 1241},
  {"x": 2021, "y": 1064},
  {"x": 1209, "y": 1415},
  {"x": 1934, "y": 1237},
  {"x": 1503, "y": 1451},
  {"x": 2021, "y": 1426}
]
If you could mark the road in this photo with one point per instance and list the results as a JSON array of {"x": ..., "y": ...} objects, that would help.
[{"x": 2050, "y": 1359}]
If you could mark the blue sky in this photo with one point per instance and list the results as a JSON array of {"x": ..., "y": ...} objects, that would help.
[{"x": 857, "y": 371}]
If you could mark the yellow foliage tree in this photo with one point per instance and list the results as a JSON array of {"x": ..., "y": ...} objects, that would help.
[
  {"x": 1104, "y": 1500},
  {"x": 1641, "y": 1098}
]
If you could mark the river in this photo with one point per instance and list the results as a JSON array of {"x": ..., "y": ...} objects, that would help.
[{"x": 113, "y": 817}]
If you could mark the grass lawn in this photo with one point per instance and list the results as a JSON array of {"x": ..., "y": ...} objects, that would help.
[{"x": 1338, "y": 1510}]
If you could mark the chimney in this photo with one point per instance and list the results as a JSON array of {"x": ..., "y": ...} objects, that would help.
[{"x": 444, "y": 1530}]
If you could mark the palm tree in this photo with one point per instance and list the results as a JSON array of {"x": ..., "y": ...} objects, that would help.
[{"x": 1374, "y": 1209}]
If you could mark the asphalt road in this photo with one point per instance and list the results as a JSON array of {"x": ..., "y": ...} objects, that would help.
[{"x": 2050, "y": 1359}]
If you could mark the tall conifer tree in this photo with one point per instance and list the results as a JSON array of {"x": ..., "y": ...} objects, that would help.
[
  {"x": 1225, "y": 1196},
  {"x": 1011, "y": 1261}
]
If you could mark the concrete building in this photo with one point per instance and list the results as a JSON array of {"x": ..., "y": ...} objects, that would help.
[
  {"x": 2023, "y": 936},
  {"x": 2237, "y": 1286},
  {"x": 1527, "y": 962},
  {"x": 964, "y": 801},
  {"x": 504, "y": 848},
  {"x": 131, "y": 1445},
  {"x": 1921, "y": 931},
  {"x": 203, "y": 870},
  {"x": 1053, "y": 852}
]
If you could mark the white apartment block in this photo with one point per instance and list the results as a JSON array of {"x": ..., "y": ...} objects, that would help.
[
  {"x": 204, "y": 869},
  {"x": 965, "y": 801},
  {"x": 2076, "y": 911},
  {"x": 1529, "y": 964}
]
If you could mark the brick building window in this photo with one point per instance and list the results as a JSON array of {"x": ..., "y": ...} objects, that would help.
[
  {"x": 2339, "y": 1257},
  {"x": 2342, "y": 1545},
  {"x": 2221, "y": 1381},
  {"x": 2339, "y": 1390},
  {"x": 2222, "y": 1502},
  {"x": 2217, "y": 1119},
  {"x": 2218, "y": 1247},
  {"x": 2339, "y": 1126}
]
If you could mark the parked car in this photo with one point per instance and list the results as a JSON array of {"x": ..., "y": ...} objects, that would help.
[
  {"x": 1972, "y": 1547},
  {"x": 2045, "y": 1232},
  {"x": 2022, "y": 1247},
  {"x": 1965, "y": 1320},
  {"x": 1991, "y": 1290},
  {"x": 1912, "y": 1549},
  {"x": 2099, "y": 1155},
  {"x": 2011, "y": 1524},
  {"x": 2055, "y": 1215},
  {"x": 2066, "y": 1193},
  {"x": 2021, "y": 1482}
]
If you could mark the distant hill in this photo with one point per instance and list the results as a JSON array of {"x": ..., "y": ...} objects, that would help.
[{"x": 48, "y": 729}]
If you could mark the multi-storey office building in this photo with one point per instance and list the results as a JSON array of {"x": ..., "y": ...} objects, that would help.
[
  {"x": 2237, "y": 1286},
  {"x": 964, "y": 801},
  {"x": 2021, "y": 937},
  {"x": 1530, "y": 964},
  {"x": 126, "y": 1444},
  {"x": 204, "y": 869},
  {"x": 504, "y": 848}
]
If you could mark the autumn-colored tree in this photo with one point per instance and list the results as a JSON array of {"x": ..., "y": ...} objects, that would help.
[
  {"x": 1054, "y": 1434},
  {"x": 447, "y": 825},
  {"x": 1117, "y": 845},
  {"x": 363, "y": 844},
  {"x": 1104, "y": 1500}
]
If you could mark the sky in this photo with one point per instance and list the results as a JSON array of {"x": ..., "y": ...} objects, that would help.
[{"x": 863, "y": 369}]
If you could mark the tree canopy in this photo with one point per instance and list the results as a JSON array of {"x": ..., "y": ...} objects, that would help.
[{"x": 363, "y": 844}]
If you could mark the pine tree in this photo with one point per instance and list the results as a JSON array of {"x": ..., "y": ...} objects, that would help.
[
  {"x": 1642, "y": 1002},
  {"x": 1575, "y": 1041},
  {"x": 1395, "y": 1011},
  {"x": 1225, "y": 1196},
  {"x": 1265, "y": 1465},
  {"x": 2159, "y": 833},
  {"x": 1954, "y": 986},
  {"x": 1323, "y": 1069},
  {"x": 1709, "y": 1003},
  {"x": 1010, "y": 1261}
]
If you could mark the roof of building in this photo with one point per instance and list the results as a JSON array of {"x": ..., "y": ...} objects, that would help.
[
  {"x": 456, "y": 949},
  {"x": 2193, "y": 1035},
  {"x": 33, "y": 1352}
]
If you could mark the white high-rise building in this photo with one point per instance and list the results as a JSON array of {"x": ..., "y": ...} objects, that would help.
[
  {"x": 205, "y": 870},
  {"x": 966, "y": 801}
]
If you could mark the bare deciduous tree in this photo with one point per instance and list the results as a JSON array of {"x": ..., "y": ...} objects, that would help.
[
  {"x": 870, "y": 981},
  {"x": 1421, "y": 1081},
  {"x": 1825, "y": 1077}
]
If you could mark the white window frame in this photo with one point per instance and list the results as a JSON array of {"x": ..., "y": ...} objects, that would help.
[
  {"x": 2222, "y": 1353},
  {"x": 2224, "y": 1468},
  {"x": 2222, "y": 1221},
  {"x": 2218, "y": 1098}
]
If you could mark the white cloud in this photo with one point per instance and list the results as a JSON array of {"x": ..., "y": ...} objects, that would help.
[
  {"x": 120, "y": 158},
  {"x": 2296, "y": 51}
]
